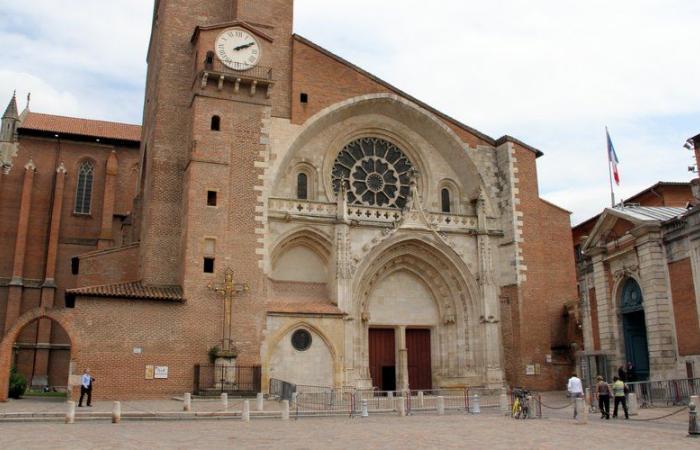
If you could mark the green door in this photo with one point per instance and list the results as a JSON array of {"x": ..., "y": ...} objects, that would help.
[{"x": 635, "y": 330}]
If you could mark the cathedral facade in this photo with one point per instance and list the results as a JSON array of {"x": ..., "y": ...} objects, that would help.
[{"x": 290, "y": 212}]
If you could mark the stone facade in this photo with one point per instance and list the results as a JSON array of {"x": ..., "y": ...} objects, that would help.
[
  {"x": 650, "y": 247},
  {"x": 468, "y": 252}
]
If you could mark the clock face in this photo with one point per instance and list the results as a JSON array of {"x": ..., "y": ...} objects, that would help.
[{"x": 238, "y": 49}]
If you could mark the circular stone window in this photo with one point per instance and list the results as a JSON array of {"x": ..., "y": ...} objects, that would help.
[
  {"x": 375, "y": 173},
  {"x": 301, "y": 340}
]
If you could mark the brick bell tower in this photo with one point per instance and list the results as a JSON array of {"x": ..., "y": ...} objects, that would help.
[{"x": 217, "y": 72}]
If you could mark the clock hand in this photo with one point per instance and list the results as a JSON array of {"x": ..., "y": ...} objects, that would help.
[{"x": 241, "y": 47}]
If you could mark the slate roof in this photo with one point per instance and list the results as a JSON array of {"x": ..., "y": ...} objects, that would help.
[
  {"x": 132, "y": 290},
  {"x": 651, "y": 213},
  {"x": 81, "y": 127}
]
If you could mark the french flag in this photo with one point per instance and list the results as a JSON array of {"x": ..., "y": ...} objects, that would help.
[{"x": 612, "y": 156}]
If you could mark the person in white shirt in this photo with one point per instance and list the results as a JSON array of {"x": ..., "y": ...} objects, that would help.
[
  {"x": 575, "y": 388},
  {"x": 86, "y": 388}
]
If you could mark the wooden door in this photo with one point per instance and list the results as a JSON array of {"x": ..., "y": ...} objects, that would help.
[
  {"x": 382, "y": 358},
  {"x": 420, "y": 374}
]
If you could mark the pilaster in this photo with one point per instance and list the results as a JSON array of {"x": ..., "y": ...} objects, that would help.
[
  {"x": 607, "y": 321},
  {"x": 14, "y": 299},
  {"x": 657, "y": 305},
  {"x": 111, "y": 172}
]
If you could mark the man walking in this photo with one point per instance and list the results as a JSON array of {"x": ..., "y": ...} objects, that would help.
[
  {"x": 602, "y": 391},
  {"x": 575, "y": 388},
  {"x": 619, "y": 392},
  {"x": 86, "y": 388}
]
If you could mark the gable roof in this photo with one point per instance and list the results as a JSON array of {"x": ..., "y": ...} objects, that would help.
[
  {"x": 252, "y": 27},
  {"x": 637, "y": 215},
  {"x": 49, "y": 123},
  {"x": 376, "y": 79}
]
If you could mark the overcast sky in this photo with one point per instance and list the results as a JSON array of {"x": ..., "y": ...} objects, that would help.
[{"x": 552, "y": 73}]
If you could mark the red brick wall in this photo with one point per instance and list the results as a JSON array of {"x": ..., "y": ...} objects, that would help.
[
  {"x": 551, "y": 277},
  {"x": 685, "y": 307}
]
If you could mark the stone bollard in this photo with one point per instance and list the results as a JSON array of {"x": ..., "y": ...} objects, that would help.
[
  {"x": 260, "y": 402},
  {"x": 693, "y": 426},
  {"x": 246, "y": 411},
  {"x": 365, "y": 410},
  {"x": 390, "y": 400},
  {"x": 582, "y": 416},
  {"x": 504, "y": 404},
  {"x": 421, "y": 399},
  {"x": 285, "y": 409},
  {"x": 531, "y": 407},
  {"x": 117, "y": 412},
  {"x": 224, "y": 401},
  {"x": 475, "y": 405},
  {"x": 632, "y": 404},
  {"x": 70, "y": 412},
  {"x": 294, "y": 398},
  {"x": 441, "y": 406},
  {"x": 401, "y": 402},
  {"x": 588, "y": 399},
  {"x": 187, "y": 403}
]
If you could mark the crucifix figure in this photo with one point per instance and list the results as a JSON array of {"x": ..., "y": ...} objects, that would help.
[{"x": 228, "y": 290}]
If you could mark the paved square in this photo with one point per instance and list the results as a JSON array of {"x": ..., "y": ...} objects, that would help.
[{"x": 424, "y": 431}]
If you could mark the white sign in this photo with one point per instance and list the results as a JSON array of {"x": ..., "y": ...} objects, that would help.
[
  {"x": 530, "y": 369},
  {"x": 138, "y": 350},
  {"x": 548, "y": 359},
  {"x": 161, "y": 373}
]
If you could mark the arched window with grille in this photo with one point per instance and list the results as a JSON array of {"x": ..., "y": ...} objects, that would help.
[
  {"x": 302, "y": 186},
  {"x": 83, "y": 191},
  {"x": 446, "y": 201}
]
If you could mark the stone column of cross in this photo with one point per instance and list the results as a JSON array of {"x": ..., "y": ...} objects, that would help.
[{"x": 228, "y": 291}]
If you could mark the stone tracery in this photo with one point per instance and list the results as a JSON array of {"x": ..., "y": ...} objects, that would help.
[{"x": 375, "y": 172}]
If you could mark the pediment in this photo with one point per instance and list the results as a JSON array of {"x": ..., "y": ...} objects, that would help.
[
  {"x": 611, "y": 224},
  {"x": 253, "y": 28}
]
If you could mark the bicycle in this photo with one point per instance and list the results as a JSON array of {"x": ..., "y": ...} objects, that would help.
[{"x": 521, "y": 404}]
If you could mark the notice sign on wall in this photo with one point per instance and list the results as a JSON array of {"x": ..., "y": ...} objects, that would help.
[
  {"x": 150, "y": 372},
  {"x": 161, "y": 372}
]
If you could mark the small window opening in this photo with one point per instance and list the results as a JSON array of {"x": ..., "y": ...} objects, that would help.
[
  {"x": 209, "y": 60},
  {"x": 302, "y": 186},
  {"x": 212, "y": 198},
  {"x": 304, "y": 97},
  {"x": 216, "y": 123},
  {"x": 446, "y": 203},
  {"x": 209, "y": 265},
  {"x": 75, "y": 265}
]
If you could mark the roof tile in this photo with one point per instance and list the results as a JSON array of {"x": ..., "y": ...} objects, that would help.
[
  {"x": 133, "y": 290},
  {"x": 81, "y": 127}
]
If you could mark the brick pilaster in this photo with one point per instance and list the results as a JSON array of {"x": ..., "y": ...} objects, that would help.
[
  {"x": 106, "y": 238},
  {"x": 14, "y": 298}
]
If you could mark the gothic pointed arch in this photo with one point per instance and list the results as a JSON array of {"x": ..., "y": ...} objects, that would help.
[
  {"x": 398, "y": 117},
  {"x": 301, "y": 255}
]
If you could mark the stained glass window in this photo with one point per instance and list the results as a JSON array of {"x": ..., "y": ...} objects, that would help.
[
  {"x": 83, "y": 192},
  {"x": 375, "y": 172}
]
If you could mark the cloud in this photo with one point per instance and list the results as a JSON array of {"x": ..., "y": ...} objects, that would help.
[{"x": 552, "y": 73}]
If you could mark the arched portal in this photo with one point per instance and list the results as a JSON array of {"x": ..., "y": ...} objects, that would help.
[
  {"x": 634, "y": 329},
  {"x": 12, "y": 346},
  {"x": 415, "y": 306}
]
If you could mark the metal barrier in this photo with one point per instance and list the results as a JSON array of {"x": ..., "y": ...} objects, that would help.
[
  {"x": 281, "y": 390},
  {"x": 324, "y": 403},
  {"x": 665, "y": 393},
  {"x": 214, "y": 380}
]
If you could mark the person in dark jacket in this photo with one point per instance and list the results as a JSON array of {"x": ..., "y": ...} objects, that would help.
[{"x": 602, "y": 391}]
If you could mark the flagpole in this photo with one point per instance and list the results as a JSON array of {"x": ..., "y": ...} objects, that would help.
[{"x": 607, "y": 146}]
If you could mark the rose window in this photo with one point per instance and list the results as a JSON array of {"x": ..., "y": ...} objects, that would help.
[{"x": 375, "y": 173}]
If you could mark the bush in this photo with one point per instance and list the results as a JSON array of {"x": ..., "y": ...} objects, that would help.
[{"x": 18, "y": 384}]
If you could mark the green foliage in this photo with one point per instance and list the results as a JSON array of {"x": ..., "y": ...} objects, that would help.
[{"x": 18, "y": 384}]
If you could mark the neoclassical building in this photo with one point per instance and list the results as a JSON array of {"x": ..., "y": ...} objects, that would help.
[
  {"x": 358, "y": 236},
  {"x": 639, "y": 275}
]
